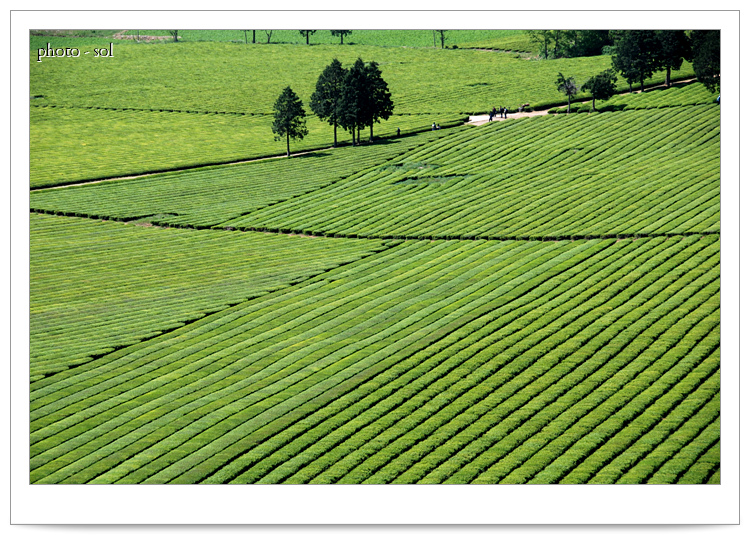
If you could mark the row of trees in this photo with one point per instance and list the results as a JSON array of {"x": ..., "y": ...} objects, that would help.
[
  {"x": 305, "y": 33},
  {"x": 602, "y": 86},
  {"x": 353, "y": 99},
  {"x": 641, "y": 53},
  {"x": 570, "y": 43}
]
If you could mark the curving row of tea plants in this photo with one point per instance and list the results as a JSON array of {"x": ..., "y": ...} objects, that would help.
[
  {"x": 687, "y": 94},
  {"x": 98, "y": 285},
  {"x": 92, "y": 144},
  {"x": 153, "y": 107},
  {"x": 627, "y": 173},
  {"x": 433, "y": 362},
  {"x": 529, "y": 301}
]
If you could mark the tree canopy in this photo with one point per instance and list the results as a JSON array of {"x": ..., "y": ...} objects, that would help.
[
  {"x": 706, "y": 53},
  {"x": 341, "y": 33},
  {"x": 637, "y": 56},
  {"x": 567, "y": 86},
  {"x": 307, "y": 34},
  {"x": 673, "y": 47},
  {"x": 602, "y": 86},
  {"x": 289, "y": 117},
  {"x": 365, "y": 98},
  {"x": 325, "y": 102}
]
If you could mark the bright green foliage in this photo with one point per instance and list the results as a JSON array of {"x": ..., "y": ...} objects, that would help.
[
  {"x": 626, "y": 173},
  {"x": 202, "y": 198},
  {"x": 111, "y": 143},
  {"x": 457, "y": 362},
  {"x": 688, "y": 95},
  {"x": 221, "y": 98},
  {"x": 100, "y": 285}
]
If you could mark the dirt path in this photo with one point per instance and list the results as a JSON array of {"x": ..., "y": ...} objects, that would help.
[{"x": 482, "y": 119}]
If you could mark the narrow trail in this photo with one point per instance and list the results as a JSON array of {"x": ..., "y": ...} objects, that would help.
[
  {"x": 477, "y": 120},
  {"x": 474, "y": 120}
]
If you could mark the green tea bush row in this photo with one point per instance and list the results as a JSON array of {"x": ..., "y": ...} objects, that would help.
[
  {"x": 563, "y": 186},
  {"x": 99, "y": 285}
]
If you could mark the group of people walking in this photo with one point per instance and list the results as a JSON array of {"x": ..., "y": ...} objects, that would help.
[{"x": 502, "y": 111}]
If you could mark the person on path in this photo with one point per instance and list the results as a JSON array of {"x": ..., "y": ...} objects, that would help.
[{"x": 434, "y": 127}]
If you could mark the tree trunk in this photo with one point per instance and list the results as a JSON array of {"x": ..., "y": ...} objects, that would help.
[
  {"x": 334, "y": 133},
  {"x": 342, "y": 38},
  {"x": 593, "y": 104},
  {"x": 253, "y": 36},
  {"x": 669, "y": 78},
  {"x": 371, "y": 136},
  {"x": 287, "y": 144},
  {"x": 568, "y": 103},
  {"x": 642, "y": 89},
  {"x": 245, "y": 36},
  {"x": 354, "y": 137},
  {"x": 307, "y": 38},
  {"x": 631, "y": 86}
]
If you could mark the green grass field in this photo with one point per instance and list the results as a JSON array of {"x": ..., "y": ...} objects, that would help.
[
  {"x": 148, "y": 109},
  {"x": 532, "y": 300}
]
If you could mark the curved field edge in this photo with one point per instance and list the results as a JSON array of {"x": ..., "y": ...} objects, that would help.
[{"x": 430, "y": 362}]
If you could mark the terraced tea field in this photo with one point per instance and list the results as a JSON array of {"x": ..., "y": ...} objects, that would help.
[
  {"x": 532, "y": 300},
  {"x": 153, "y": 107}
]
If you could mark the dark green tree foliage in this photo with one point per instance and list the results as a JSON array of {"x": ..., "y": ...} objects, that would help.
[
  {"x": 354, "y": 99},
  {"x": 542, "y": 38},
  {"x": 341, "y": 33},
  {"x": 637, "y": 56},
  {"x": 587, "y": 42},
  {"x": 602, "y": 86},
  {"x": 289, "y": 117},
  {"x": 706, "y": 54},
  {"x": 566, "y": 86},
  {"x": 307, "y": 34},
  {"x": 379, "y": 102},
  {"x": 326, "y": 101},
  {"x": 674, "y": 46}
]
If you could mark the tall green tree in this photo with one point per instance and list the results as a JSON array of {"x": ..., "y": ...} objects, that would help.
[
  {"x": 637, "y": 56},
  {"x": 602, "y": 86},
  {"x": 354, "y": 99},
  {"x": 307, "y": 34},
  {"x": 542, "y": 38},
  {"x": 325, "y": 102},
  {"x": 289, "y": 118},
  {"x": 379, "y": 102},
  {"x": 706, "y": 55},
  {"x": 341, "y": 33},
  {"x": 674, "y": 46},
  {"x": 567, "y": 86}
]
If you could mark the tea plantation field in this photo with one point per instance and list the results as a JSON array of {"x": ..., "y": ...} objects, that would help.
[
  {"x": 532, "y": 300},
  {"x": 162, "y": 106}
]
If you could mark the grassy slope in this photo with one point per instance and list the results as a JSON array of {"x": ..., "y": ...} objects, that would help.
[
  {"x": 434, "y": 361},
  {"x": 427, "y": 85}
]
